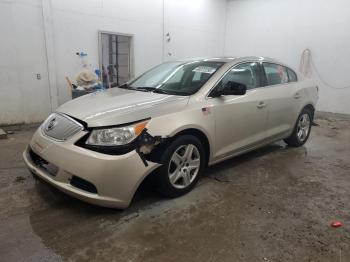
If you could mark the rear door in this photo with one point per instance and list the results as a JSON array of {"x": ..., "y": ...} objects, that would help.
[
  {"x": 282, "y": 92},
  {"x": 240, "y": 121}
]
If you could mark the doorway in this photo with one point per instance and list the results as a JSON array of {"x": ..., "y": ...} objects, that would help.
[{"x": 115, "y": 59}]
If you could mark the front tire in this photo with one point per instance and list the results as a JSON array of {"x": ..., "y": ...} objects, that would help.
[
  {"x": 301, "y": 130},
  {"x": 182, "y": 165}
]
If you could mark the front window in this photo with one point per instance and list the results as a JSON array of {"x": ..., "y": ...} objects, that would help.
[
  {"x": 176, "y": 78},
  {"x": 246, "y": 74}
]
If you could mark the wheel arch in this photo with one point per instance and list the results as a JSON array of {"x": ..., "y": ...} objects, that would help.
[
  {"x": 201, "y": 136},
  {"x": 155, "y": 155},
  {"x": 311, "y": 107},
  {"x": 308, "y": 106}
]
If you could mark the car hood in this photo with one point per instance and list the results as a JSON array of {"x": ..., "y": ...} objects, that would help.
[{"x": 119, "y": 106}]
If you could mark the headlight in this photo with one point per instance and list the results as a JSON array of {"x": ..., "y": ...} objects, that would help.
[{"x": 115, "y": 136}]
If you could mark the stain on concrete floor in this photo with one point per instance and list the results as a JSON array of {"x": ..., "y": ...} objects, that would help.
[{"x": 274, "y": 204}]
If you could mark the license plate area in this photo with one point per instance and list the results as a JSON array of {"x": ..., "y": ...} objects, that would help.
[{"x": 41, "y": 163}]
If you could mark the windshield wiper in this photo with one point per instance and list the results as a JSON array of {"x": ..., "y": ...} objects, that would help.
[
  {"x": 145, "y": 89},
  {"x": 171, "y": 92},
  {"x": 160, "y": 91},
  {"x": 125, "y": 86},
  {"x": 153, "y": 89}
]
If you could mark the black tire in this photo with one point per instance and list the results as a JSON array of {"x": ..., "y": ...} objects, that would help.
[
  {"x": 163, "y": 184},
  {"x": 294, "y": 140}
]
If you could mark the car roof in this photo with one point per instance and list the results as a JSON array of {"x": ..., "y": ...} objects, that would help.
[
  {"x": 235, "y": 59},
  {"x": 232, "y": 59}
]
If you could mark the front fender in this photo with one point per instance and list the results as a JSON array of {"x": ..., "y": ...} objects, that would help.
[{"x": 169, "y": 125}]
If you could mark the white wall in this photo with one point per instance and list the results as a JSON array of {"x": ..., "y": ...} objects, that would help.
[
  {"x": 196, "y": 28},
  {"x": 283, "y": 29},
  {"x": 191, "y": 24},
  {"x": 76, "y": 26},
  {"x": 280, "y": 29},
  {"x": 23, "y": 98}
]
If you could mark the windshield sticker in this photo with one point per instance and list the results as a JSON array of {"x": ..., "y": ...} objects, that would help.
[{"x": 204, "y": 69}]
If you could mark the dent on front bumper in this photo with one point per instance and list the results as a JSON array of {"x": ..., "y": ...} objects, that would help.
[{"x": 115, "y": 178}]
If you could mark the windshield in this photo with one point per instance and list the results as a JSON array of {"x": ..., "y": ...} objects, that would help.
[{"x": 176, "y": 78}]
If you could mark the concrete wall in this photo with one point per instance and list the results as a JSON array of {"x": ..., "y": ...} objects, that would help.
[
  {"x": 31, "y": 44},
  {"x": 283, "y": 29}
]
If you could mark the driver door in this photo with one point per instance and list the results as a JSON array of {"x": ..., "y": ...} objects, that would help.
[{"x": 240, "y": 120}]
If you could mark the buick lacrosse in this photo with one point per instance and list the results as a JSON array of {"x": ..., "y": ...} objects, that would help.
[{"x": 172, "y": 121}]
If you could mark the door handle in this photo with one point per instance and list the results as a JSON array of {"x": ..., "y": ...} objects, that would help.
[
  {"x": 297, "y": 95},
  {"x": 261, "y": 104}
]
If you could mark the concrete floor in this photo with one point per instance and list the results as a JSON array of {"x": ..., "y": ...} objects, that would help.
[{"x": 274, "y": 204}]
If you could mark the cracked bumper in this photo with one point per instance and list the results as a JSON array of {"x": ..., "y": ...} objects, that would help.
[{"x": 116, "y": 178}]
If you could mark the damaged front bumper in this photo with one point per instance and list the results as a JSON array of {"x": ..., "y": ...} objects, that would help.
[
  {"x": 98, "y": 178},
  {"x": 143, "y": 145}
]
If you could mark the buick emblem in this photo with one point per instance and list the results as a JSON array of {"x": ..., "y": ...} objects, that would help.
[{"x": 51, "y": 124}]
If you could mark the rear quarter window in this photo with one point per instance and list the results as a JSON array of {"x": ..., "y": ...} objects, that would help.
[
  {"x": 275, "y": 74},
  {"x": 292, "y": 75}
]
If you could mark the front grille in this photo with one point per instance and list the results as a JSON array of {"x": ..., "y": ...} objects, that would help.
[
  {"x": 83, "y": 184},
  {"x": 61, "y": 127},
  {"x": 50, "y": 169}
]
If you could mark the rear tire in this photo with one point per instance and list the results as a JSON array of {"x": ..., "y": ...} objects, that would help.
[
  {"x": 183, "y": 161},
  {"x": 302, "y": 129}
]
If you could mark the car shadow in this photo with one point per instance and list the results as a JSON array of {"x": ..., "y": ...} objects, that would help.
[
  {"x": 246, "y": 157},
  {"x": 69, "y": 215}
]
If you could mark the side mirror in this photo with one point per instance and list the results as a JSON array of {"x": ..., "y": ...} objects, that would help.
[{"x": 231, "y": 88}]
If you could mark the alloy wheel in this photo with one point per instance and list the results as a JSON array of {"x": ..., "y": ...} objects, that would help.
[
  {"x": 184, "y": 166},
  {"x": 303, "y": 128}
]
